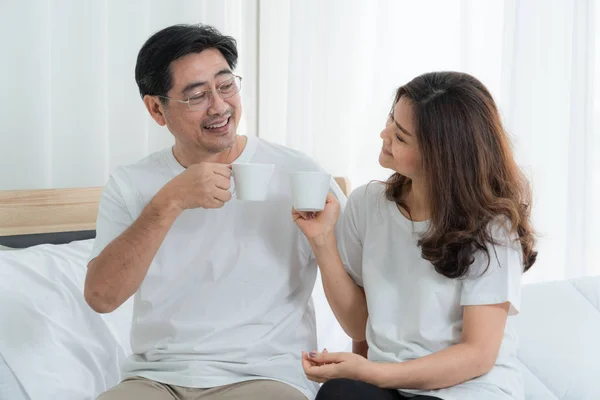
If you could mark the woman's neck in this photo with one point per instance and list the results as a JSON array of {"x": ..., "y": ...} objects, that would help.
[{"x": 417, "y": 201}]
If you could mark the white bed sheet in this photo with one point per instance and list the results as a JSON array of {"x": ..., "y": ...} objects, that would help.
[{"x": 53, "y": 343}]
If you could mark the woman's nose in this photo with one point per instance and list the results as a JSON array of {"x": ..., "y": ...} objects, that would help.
[{"x": 384, "y": 133}]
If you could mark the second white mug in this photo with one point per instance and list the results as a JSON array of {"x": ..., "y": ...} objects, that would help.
[{"x": 309, "y": 190}]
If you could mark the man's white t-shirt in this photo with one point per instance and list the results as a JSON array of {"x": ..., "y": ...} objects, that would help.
[
  {"x": 227, "y": 297},
  {"x": 415, "y": 311}
]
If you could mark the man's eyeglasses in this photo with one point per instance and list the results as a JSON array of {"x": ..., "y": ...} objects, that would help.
[{"x": 201, "y": 100}]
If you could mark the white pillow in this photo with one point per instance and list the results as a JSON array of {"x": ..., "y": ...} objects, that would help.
[
  {"x": 55, "y": 345},
  {"x": 559, "y": 335}
]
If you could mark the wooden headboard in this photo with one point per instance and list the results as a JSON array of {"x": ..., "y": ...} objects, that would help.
[{"x": 25, "y": 212}]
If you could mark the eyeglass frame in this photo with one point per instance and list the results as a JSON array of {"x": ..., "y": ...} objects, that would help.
[{"x": 218, "y": 90}]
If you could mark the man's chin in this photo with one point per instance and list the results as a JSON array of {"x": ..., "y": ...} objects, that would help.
[{"x": 219, "y": 143}]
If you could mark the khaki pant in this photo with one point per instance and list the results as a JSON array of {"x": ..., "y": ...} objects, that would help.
[{"x": 144, "y": 389}]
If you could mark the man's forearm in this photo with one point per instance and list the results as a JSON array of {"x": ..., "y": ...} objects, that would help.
[
  {"x": 347, "y": 300},
  {"x": 120, "y": 268}
]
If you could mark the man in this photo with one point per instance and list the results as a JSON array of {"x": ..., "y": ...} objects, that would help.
[{"x": 222, "y": 287}]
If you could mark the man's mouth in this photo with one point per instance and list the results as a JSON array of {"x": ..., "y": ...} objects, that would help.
[{"x": 217, "y": 124}]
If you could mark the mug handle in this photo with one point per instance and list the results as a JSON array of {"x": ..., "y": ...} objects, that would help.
[{"x": 233, "y": 192}]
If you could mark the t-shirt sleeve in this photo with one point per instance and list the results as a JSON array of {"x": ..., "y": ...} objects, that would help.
[
  {"x": 502, "y": 280},
  {"x": 349, "y": 240},
  {"x": 113, "y": 217}
]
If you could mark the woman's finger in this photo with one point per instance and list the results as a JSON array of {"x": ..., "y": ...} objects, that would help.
[{"x": 308, "y": 215}]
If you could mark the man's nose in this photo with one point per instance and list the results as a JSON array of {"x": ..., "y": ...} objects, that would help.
[{"x": 217, "y": 104}]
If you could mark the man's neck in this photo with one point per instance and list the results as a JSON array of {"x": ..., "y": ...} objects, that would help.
[{"x": 185, "y": 157}]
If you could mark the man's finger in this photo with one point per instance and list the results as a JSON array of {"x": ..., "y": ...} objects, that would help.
[
  {"x": 223, "y": 170},
  {"x": 222, "y": 183},
  {"x": 214, "y": 203},
  {"x": 222, "y": 195}
]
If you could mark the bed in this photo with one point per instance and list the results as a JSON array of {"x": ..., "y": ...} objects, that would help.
[{"x": 52, "y": 345}]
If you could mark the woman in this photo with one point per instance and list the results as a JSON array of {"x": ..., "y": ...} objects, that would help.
[{"x": 431, "y": 260}]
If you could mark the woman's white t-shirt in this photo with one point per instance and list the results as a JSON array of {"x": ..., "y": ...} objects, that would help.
[{"x": 415, "y": 311}]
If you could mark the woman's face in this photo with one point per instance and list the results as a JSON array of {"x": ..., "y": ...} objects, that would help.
[{"x": 400, "y": 150}]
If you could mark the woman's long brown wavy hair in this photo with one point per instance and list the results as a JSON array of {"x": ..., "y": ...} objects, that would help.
[{"x": 471, "y": 175}]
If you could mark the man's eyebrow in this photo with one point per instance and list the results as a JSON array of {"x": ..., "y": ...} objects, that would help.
[
  {"x": 194, "y": 85},
  {"x": 224, "y": 71}
]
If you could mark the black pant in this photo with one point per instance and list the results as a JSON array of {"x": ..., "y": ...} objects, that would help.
[{"x": 348, "y": 389}]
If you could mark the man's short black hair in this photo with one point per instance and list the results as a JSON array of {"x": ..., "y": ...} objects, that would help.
[{"x": 152, "y": 70}]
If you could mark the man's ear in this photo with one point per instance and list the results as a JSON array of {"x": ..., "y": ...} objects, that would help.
[{"x": 155, "y": 108}]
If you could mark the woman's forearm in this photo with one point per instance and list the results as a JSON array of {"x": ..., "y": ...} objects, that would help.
[
  {"x": 448, "y": 367},
  {"x": 346, "y": 298}
]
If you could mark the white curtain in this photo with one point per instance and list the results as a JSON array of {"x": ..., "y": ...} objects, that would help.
[
  {"x": 319, "y": 76},
  {"x": 336, "y": 64},
  {"x": 552, "y": 106},
  {"x": 70, "y": 106}
]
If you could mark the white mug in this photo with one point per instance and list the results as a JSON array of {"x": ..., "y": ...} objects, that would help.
[
  {"x": 309, "y": 190},
  {"x": 252, "y": 180}
]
